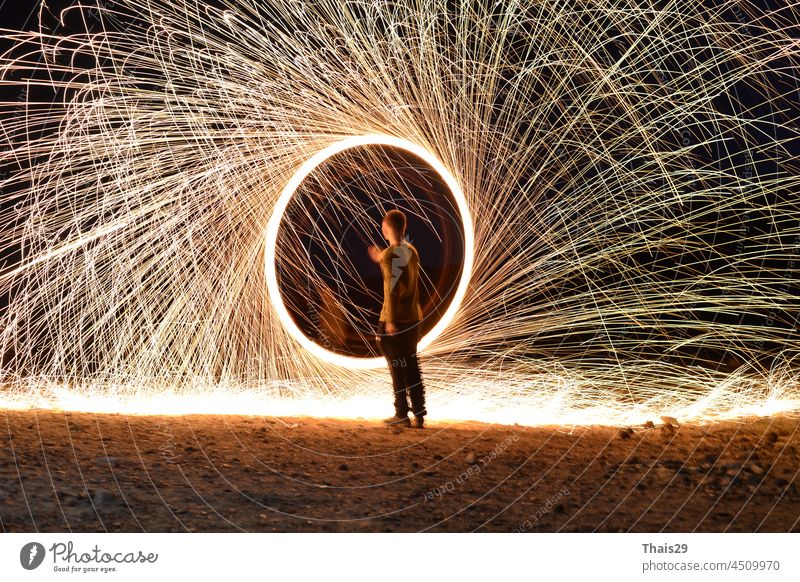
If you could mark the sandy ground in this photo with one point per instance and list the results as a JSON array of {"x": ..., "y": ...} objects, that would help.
[{"x": 99, "y": 472}]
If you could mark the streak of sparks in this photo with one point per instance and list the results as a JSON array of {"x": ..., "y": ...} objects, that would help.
[{"x": 577, "y": 133}]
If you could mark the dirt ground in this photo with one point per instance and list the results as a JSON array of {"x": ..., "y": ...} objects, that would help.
[{"x": 105, "y": 472}]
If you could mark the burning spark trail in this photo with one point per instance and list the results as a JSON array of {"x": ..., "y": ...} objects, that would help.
[{"x": 623, "y": 177}]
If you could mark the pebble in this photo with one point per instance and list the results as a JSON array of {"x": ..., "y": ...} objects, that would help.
[
  {"x": 671, "y": 421},
  {"x": 470, "y": 457},
  {"x": 663, "y": 471},
  {"x": 755, "y": 469},
  {"x": 625, "y": 432},
  {"x": 731, "y": 468},
  {"x": 649, "y": 424}
]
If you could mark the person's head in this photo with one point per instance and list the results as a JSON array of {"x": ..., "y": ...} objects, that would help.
[{"x": 393, "y": 226}]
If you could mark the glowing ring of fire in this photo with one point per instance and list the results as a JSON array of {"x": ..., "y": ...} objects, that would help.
[{"x": 277, "y": 215}]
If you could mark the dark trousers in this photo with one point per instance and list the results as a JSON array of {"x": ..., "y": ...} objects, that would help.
[{"x": 400, "y": 351}]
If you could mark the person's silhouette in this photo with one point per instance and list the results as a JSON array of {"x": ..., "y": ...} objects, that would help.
[{"x": 399, "y": 325}]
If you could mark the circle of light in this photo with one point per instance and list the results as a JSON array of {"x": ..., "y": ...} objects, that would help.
[{"x": 271, "y": 237}]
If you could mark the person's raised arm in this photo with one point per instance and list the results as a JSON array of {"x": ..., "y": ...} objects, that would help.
[{"x": 374, "y": 253}]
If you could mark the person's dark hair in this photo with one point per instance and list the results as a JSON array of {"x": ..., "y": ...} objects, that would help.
[{"x": 397, "y": 220}]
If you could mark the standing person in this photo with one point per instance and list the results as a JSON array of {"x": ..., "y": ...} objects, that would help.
[{"x": 399, "y": 325}]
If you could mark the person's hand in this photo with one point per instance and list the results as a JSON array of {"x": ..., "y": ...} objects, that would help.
[
  {"x": 391, "y": 328},
  {"x": 374, "y": 253}
]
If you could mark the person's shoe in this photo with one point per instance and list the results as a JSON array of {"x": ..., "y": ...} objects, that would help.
[
  {"x": 397, "y": 421},
  {"x": 419, "y": 422}
]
